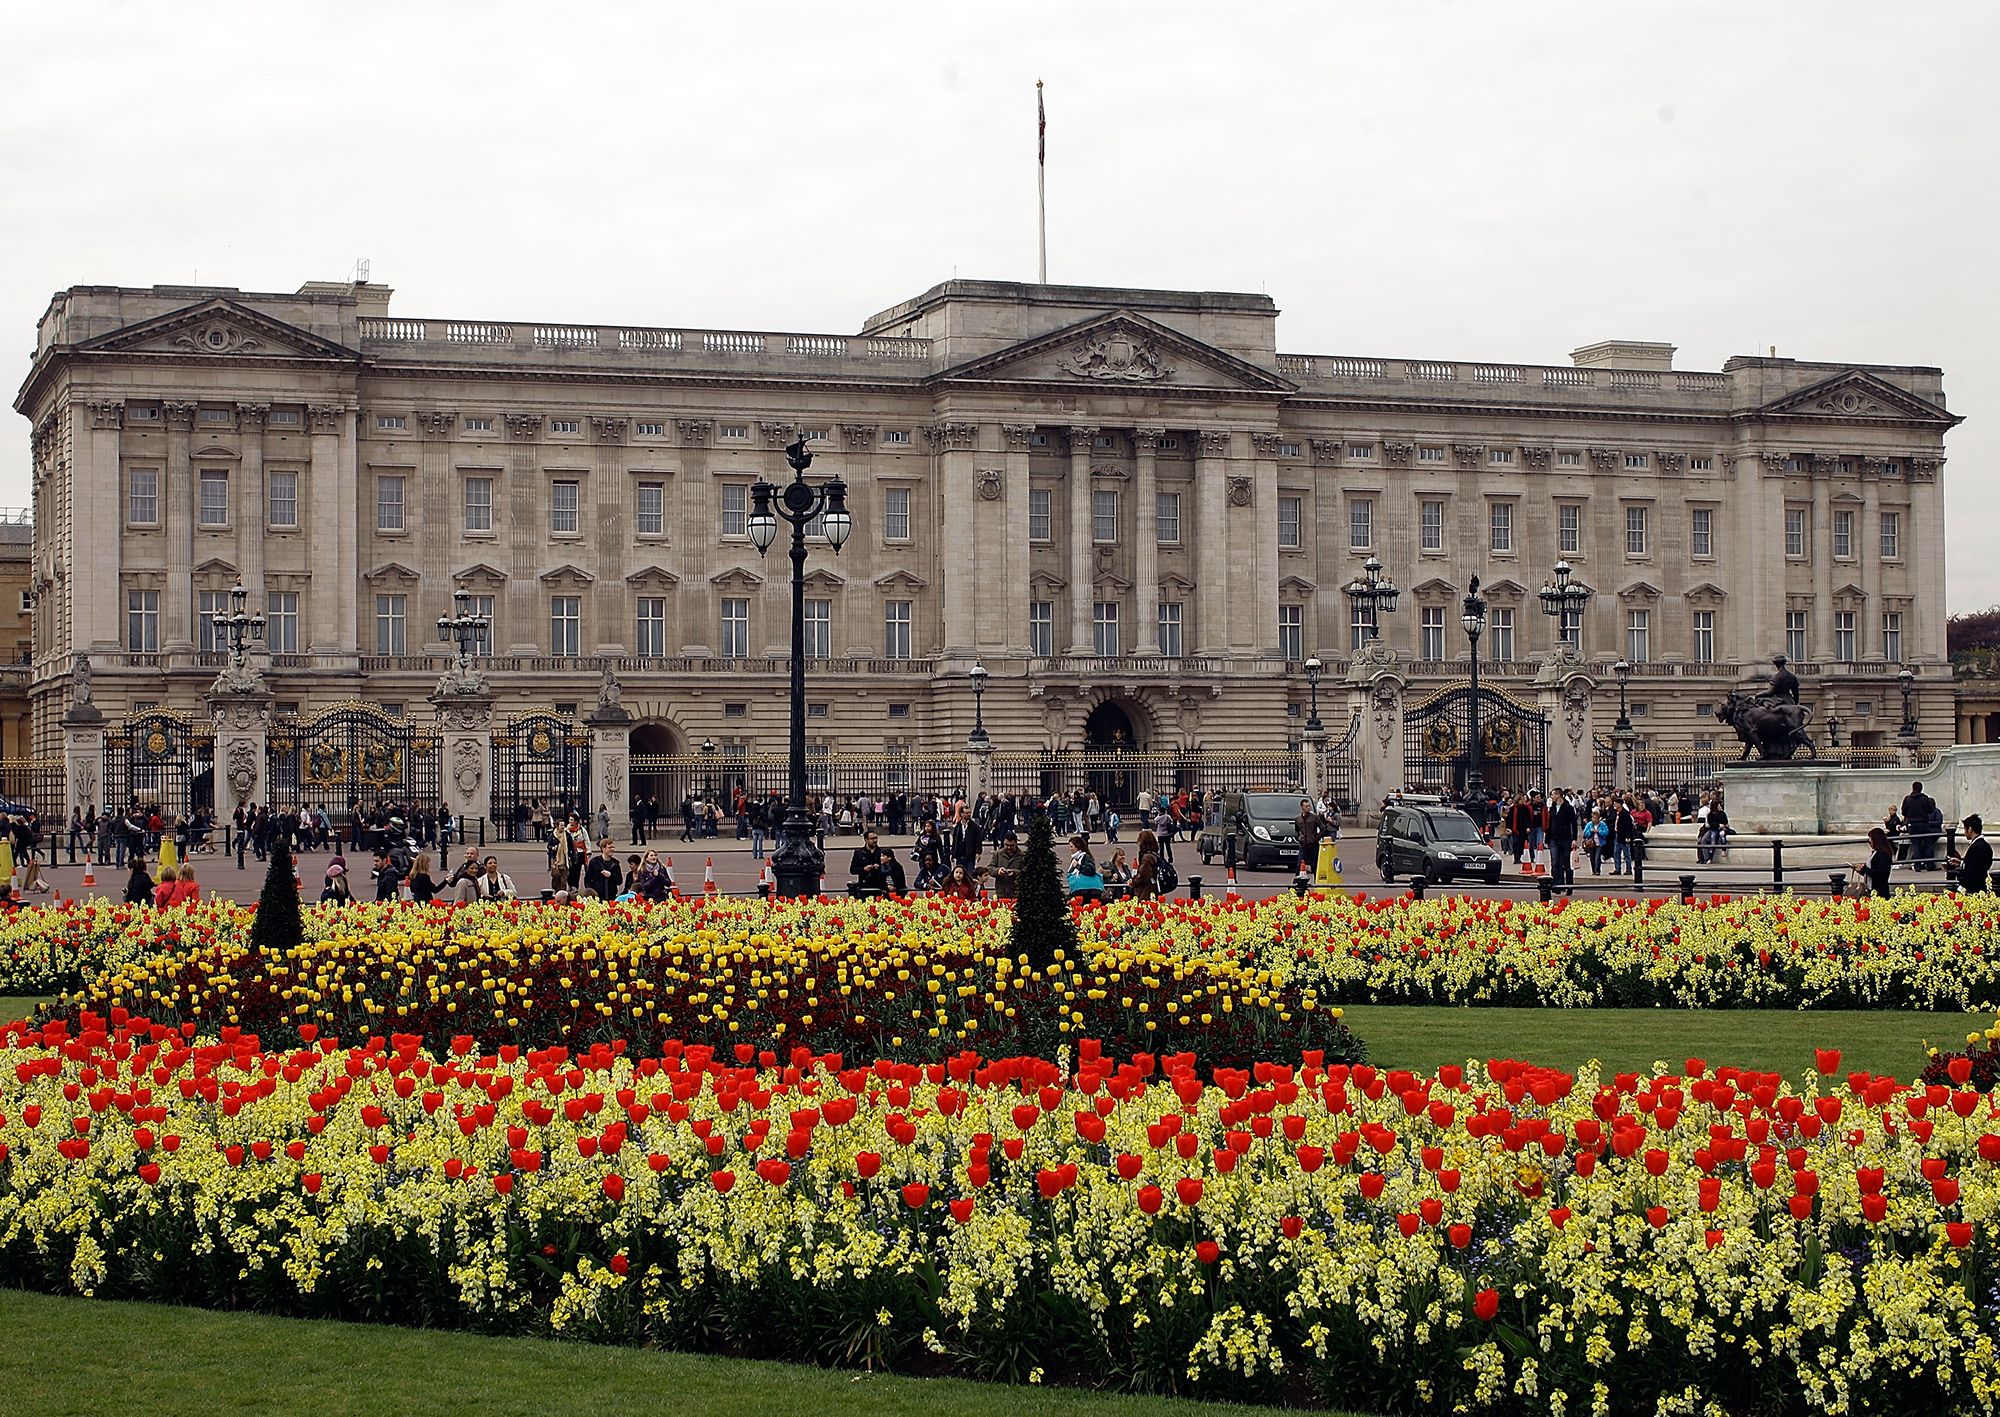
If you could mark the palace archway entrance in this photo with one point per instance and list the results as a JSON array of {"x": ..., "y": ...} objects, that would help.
[
  {"x": 657, "y": 772},
  {"x": 1111, "y": 743}
]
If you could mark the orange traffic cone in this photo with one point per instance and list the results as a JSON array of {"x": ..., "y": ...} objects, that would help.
[
  {"x": 89, "y": 872},
  {"x": 708, "y": 878},
  {"x": 767, "y": 881},
  {"x": 1230, "y": 893}
]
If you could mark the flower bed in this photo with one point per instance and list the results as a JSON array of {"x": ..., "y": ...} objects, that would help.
[
  {"x": 1508, "y": 1237},
  {"x": 1913, "y": 951},
  {"x": 917, "y": 978}
]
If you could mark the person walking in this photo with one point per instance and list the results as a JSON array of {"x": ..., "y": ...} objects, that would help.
[
  {"x": 1005, "y": 866},
  {"x": 1923, "y": 820},
  {"x": 604, "y": 877},
  {"x": 1562, "y": 831},
  {"x": 1975, "y": 863},
  {"x": 1881, "y": 860}
]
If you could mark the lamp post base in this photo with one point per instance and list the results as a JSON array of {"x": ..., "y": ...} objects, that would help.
[{"x": 798, "y": 862}]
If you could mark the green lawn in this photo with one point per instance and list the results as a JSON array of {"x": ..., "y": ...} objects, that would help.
[
  {"x": 1774, "y": 1040},
  {"x": 1625, "y": 1040},
  {"x": 13, "y": 1006},
  {"x": 82, "y": 1357}
]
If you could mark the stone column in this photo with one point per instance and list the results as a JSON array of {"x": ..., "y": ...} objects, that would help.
[
  {"x": 250, "y": 511},
  {"x": 1819, "y": 546},
  {"x": 331, "y": 609},
  {"x": 978, "y": 767},
  {"x": 961, "y": 585},
  {"x": 241, "y": 715},
  {"x": 610, "y": 729},
  {"x": 97, "y": 519},
  {"x": 1566, "y": 695},
  {"x": 465, "y": 737},
  {"x": 1255, "y": 555},
  {"x": 177, "y": 514},
  {"x": 1868, "y": 550},
  {"x": 1375, "y": 690},
  {"x": 83, "y": 752},
  {"x": 1146, "y": 532},
  {"x": 1082, "y": 579},
  {"x": 1315, "y": 763},
  {"x": 1211, "y": 506},
  {"x": 1012, "y": 492}
]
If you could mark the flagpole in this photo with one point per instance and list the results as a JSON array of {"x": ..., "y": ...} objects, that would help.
[{"x": 1041, "y": 179}]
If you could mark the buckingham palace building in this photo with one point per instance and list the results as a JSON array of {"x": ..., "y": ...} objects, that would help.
[{"x": 1141, "y": 519}]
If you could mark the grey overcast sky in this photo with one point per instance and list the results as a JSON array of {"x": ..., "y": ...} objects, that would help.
[{"x": 1498, "y": 181}]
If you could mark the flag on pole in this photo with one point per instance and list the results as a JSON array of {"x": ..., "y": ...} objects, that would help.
[
  {"x": 1041, "y": 184},
  {"x": 1041, "y": 128}
]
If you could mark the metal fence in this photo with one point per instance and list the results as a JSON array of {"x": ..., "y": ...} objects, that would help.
[
  {"x": 667, "y": 778},
  {"x": 1118, "y": 776},
  {"x": 41, "y": 783}
]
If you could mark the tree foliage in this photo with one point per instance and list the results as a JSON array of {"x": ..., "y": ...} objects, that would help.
[
  {"x": 277, "y": 927},
  {"x": 1041, "y": 910}
]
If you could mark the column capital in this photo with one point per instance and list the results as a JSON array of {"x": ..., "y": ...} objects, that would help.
[
  {"x": 179, "y": 416},
  {"x": 1214, "y": 442},
  {"x": 1080, "y": 436},
  {"x": 1266, "y": 444},
  {"x": 1146, "y": 440},
  {"x": 694, "y": 431},
  {"x": 250, "y": 416},
  {"x": 951, "y": 437},
  {"x": 102, "y": 415},
  {"x": 438, "y": 422},
  {"x": 1019, "y": 436},
  {"x": 324, "y": 417},
  {"x": 608, "y": 430}
]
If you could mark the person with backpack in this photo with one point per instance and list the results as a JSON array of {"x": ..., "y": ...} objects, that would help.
[{"x": 1085, "y": 879}]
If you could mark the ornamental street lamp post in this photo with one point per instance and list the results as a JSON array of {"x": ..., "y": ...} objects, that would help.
[
  {"x": 798, "y": 862},
  {"x": 1624, "y": 672},
  {"x": 1313, "y": 668},
  {"x": 1565, "y": 600},
  {"x": 1375, "y": 595},
  {"x": 1832, "y": 731},
  {"x": 463, "y": 628},
  {"x": 708, "y": 768},
  {"x": 1474, "y": 620},
  {"x": 978, "y": 676},
  {"x": 242, "y": 627},
  {"x": 1906, "y": 681}
]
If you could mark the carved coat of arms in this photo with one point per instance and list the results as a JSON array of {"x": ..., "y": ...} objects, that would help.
[{"x": 1118, "y": 356}]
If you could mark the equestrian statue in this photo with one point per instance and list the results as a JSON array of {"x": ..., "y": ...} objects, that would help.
[{"x": 1773, "y": 722}]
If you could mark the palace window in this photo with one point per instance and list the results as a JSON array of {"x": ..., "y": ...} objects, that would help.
[
  {"x": 1569, "y": 529},
  {"x": 1041, "y": 628},
  {"x": 652, "y": 510},
  {"x": 895, "y": 629},
  {"x": 735, "y": 509},
  {"x": 1289, "y": 450},
  {"x": 391, "y": 624},
  {"x": 1843, "y": 636},
  {"x": 565, "y": 625},
  {"x": 895, "y": 435},
  {"x": 735, "y": 626},
  {"x": 142, "y": 507},
  {"x": 389, "y": 422},
  {"x": 1843, "y": 533},
  {"x": 819, "y": 629},
  {"x": 1701, "y": 532},
  {"x": 1501, "y": 527},
  {"x": 1430, "y": 632},
  {"x": 644, "y": 429},
  {"x": 1430, "y": 526},
  {"x": 1291, "y": 515},
  {"x": 1569, "y": 457},
  {"x": 1430, "y": 454},
  {"x": 214, "y": 501},
  {"x": 142, "y": 621},
  {"x": 209, "y": 604},
  {"x": 1635, "y": 462},
  {"x": 1357, "y": 627},
  {"x": 482, "y": 607},
  {"x": 1170, "y": 628},
  {"x": 1103, "y": 516},
  {"x": 1500, "y": 634},
  {"x": 282, "y": 500},
  {"x": 1892, "y": 536},
  {"x": 1795, "y": 532},
  {"x": 479, "y": 504},
  {"x": 1638, "y": 635},
  {"x": 479, "y": 425},
  {"x": 281, "y": 621},
  {"x": 389, "y": 503},
  {"x": 1038, "y": 514},
  {"x": 1104, "y": 628},
  {"x": 1360, "y": 523},
  {"x": 1892, "y": 636},
  {"x": 1635, "y": 531},
  {"x": 1795, "y": 634},
  {"x": 563, "y": 500},
  {"x": 564, "y": 425},
  {"x": 1167, "y": 518},
  {"x": 1701, "y": 464},
  {"x": 896, "y": 514},
  {"x": 1501, "y": 457},
  {"x": 1704, "y": 637},
  {"x": 649, "y": 638},
  {"x": 1360, "y": 451},
  {"x": 1292, "y": 631},
  {"x": 733, "y": 432}
]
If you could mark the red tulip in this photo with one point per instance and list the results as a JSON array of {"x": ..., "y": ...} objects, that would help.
[
  {"x": 1945, "y": 1190},
  {"x": 1371, "y": 1184},
  {"x": 1874, "y": 1207},
  {"x": 504, "y": 1184},
  {"x": 723, "y": 1181},
  {"x": 773, "y": 1171},
  {"x": 1311, "y": 1158},
  {"x": 1291, "y": 1227},
  {"x": 1657, "y": 1217},
  {"x": 619, "y": 1264},
  {"x": 1959, "y": 1232},
  {"x": 1827, "y": 1060},
  {"x": 312, "y": 1181},
  {"x": 1431, "y": 1209},
  {"x": 1188, "y": 1190},
  {"x": 1486, "y": 1305},
  {"x": 1207, "y": 1251},
  {"x": 961, "y": 1210},
  {"x": 150, "y": 1174},
  {"x": 1128, "y": 1166},
  {"x": 1408, "y": 1223},
  {"x": 1150, "y": 1198},
  {"x": 867, "y": 1163},
  {"x": 916, "y": 1195},
  {"x": 1460, "y": 1236},
  {"x": 614, "y": 1187},
  {"x": 1714, "y": 1237},
  {"x": 1801, "y": 1207}
]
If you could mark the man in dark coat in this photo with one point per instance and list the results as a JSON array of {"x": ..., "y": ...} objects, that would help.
[
  {"x": 1921, "y": 821},
  {"x": 1562, "y": 831},
  {"x": 1975, "y": 864}
]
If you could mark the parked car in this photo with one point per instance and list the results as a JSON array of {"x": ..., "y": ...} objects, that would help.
[
  {"x": 1431, "y": 840},
  {"x": 1273, "y": 838}
]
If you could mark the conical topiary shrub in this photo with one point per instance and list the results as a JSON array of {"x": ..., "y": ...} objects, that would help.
[
  {"x": 277, "y": 927},
  {"x": 1041, "y": 911}
]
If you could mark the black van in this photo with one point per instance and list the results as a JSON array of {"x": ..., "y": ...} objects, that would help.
[{"x": 1431, "y": 840}]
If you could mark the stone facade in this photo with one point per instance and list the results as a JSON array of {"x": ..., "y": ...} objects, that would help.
[{"x": 1040, "y": 475}]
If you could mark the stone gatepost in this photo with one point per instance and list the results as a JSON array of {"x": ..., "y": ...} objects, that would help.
[
  {"x": 240, "y": 710},
  {"x": 1314, "y": 746},
  {"x": 1375, "y": 691},
  {"x": 1624, "y": 759},
  {"x": 610, "y": 765},
  {"x": 83, "y": 752},
  {"x": 978, "y": 767},
  {"x": 1565, "y": 693},
  {"x": 465, "y": 738}
]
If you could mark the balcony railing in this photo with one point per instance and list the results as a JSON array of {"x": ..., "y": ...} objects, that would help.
[
  {"x": 1432, "y": 377},
  {"x": 452, "y": 338}
]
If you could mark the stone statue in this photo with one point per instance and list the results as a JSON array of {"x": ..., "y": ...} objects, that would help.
[
  {"x": 610, "y": 692},
  {"x": 79, "y": 682},
  {"x": 1774, "y": 726},
  {"x": 459, "y": 681}
]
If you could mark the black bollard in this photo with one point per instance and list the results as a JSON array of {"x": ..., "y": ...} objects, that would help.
[
  {"x": 1300, "y": 885},
  {"x": 1194, "y": 887},
  {"x": 1777, "y": 864},
  {"x": 1687, "y": 887},
  {"x": 1837, "y": 884},
  {"x": 482, "y": 833},
  {"x": 1417, "y": 885},
  {"x": 1545, "y": 889}
]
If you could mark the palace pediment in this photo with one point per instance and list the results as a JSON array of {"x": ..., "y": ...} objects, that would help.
[
  {"x": 1856, "y": 396},
  {"x": 1119, "y": 352},
  {"x": 217, "y": 328}
]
